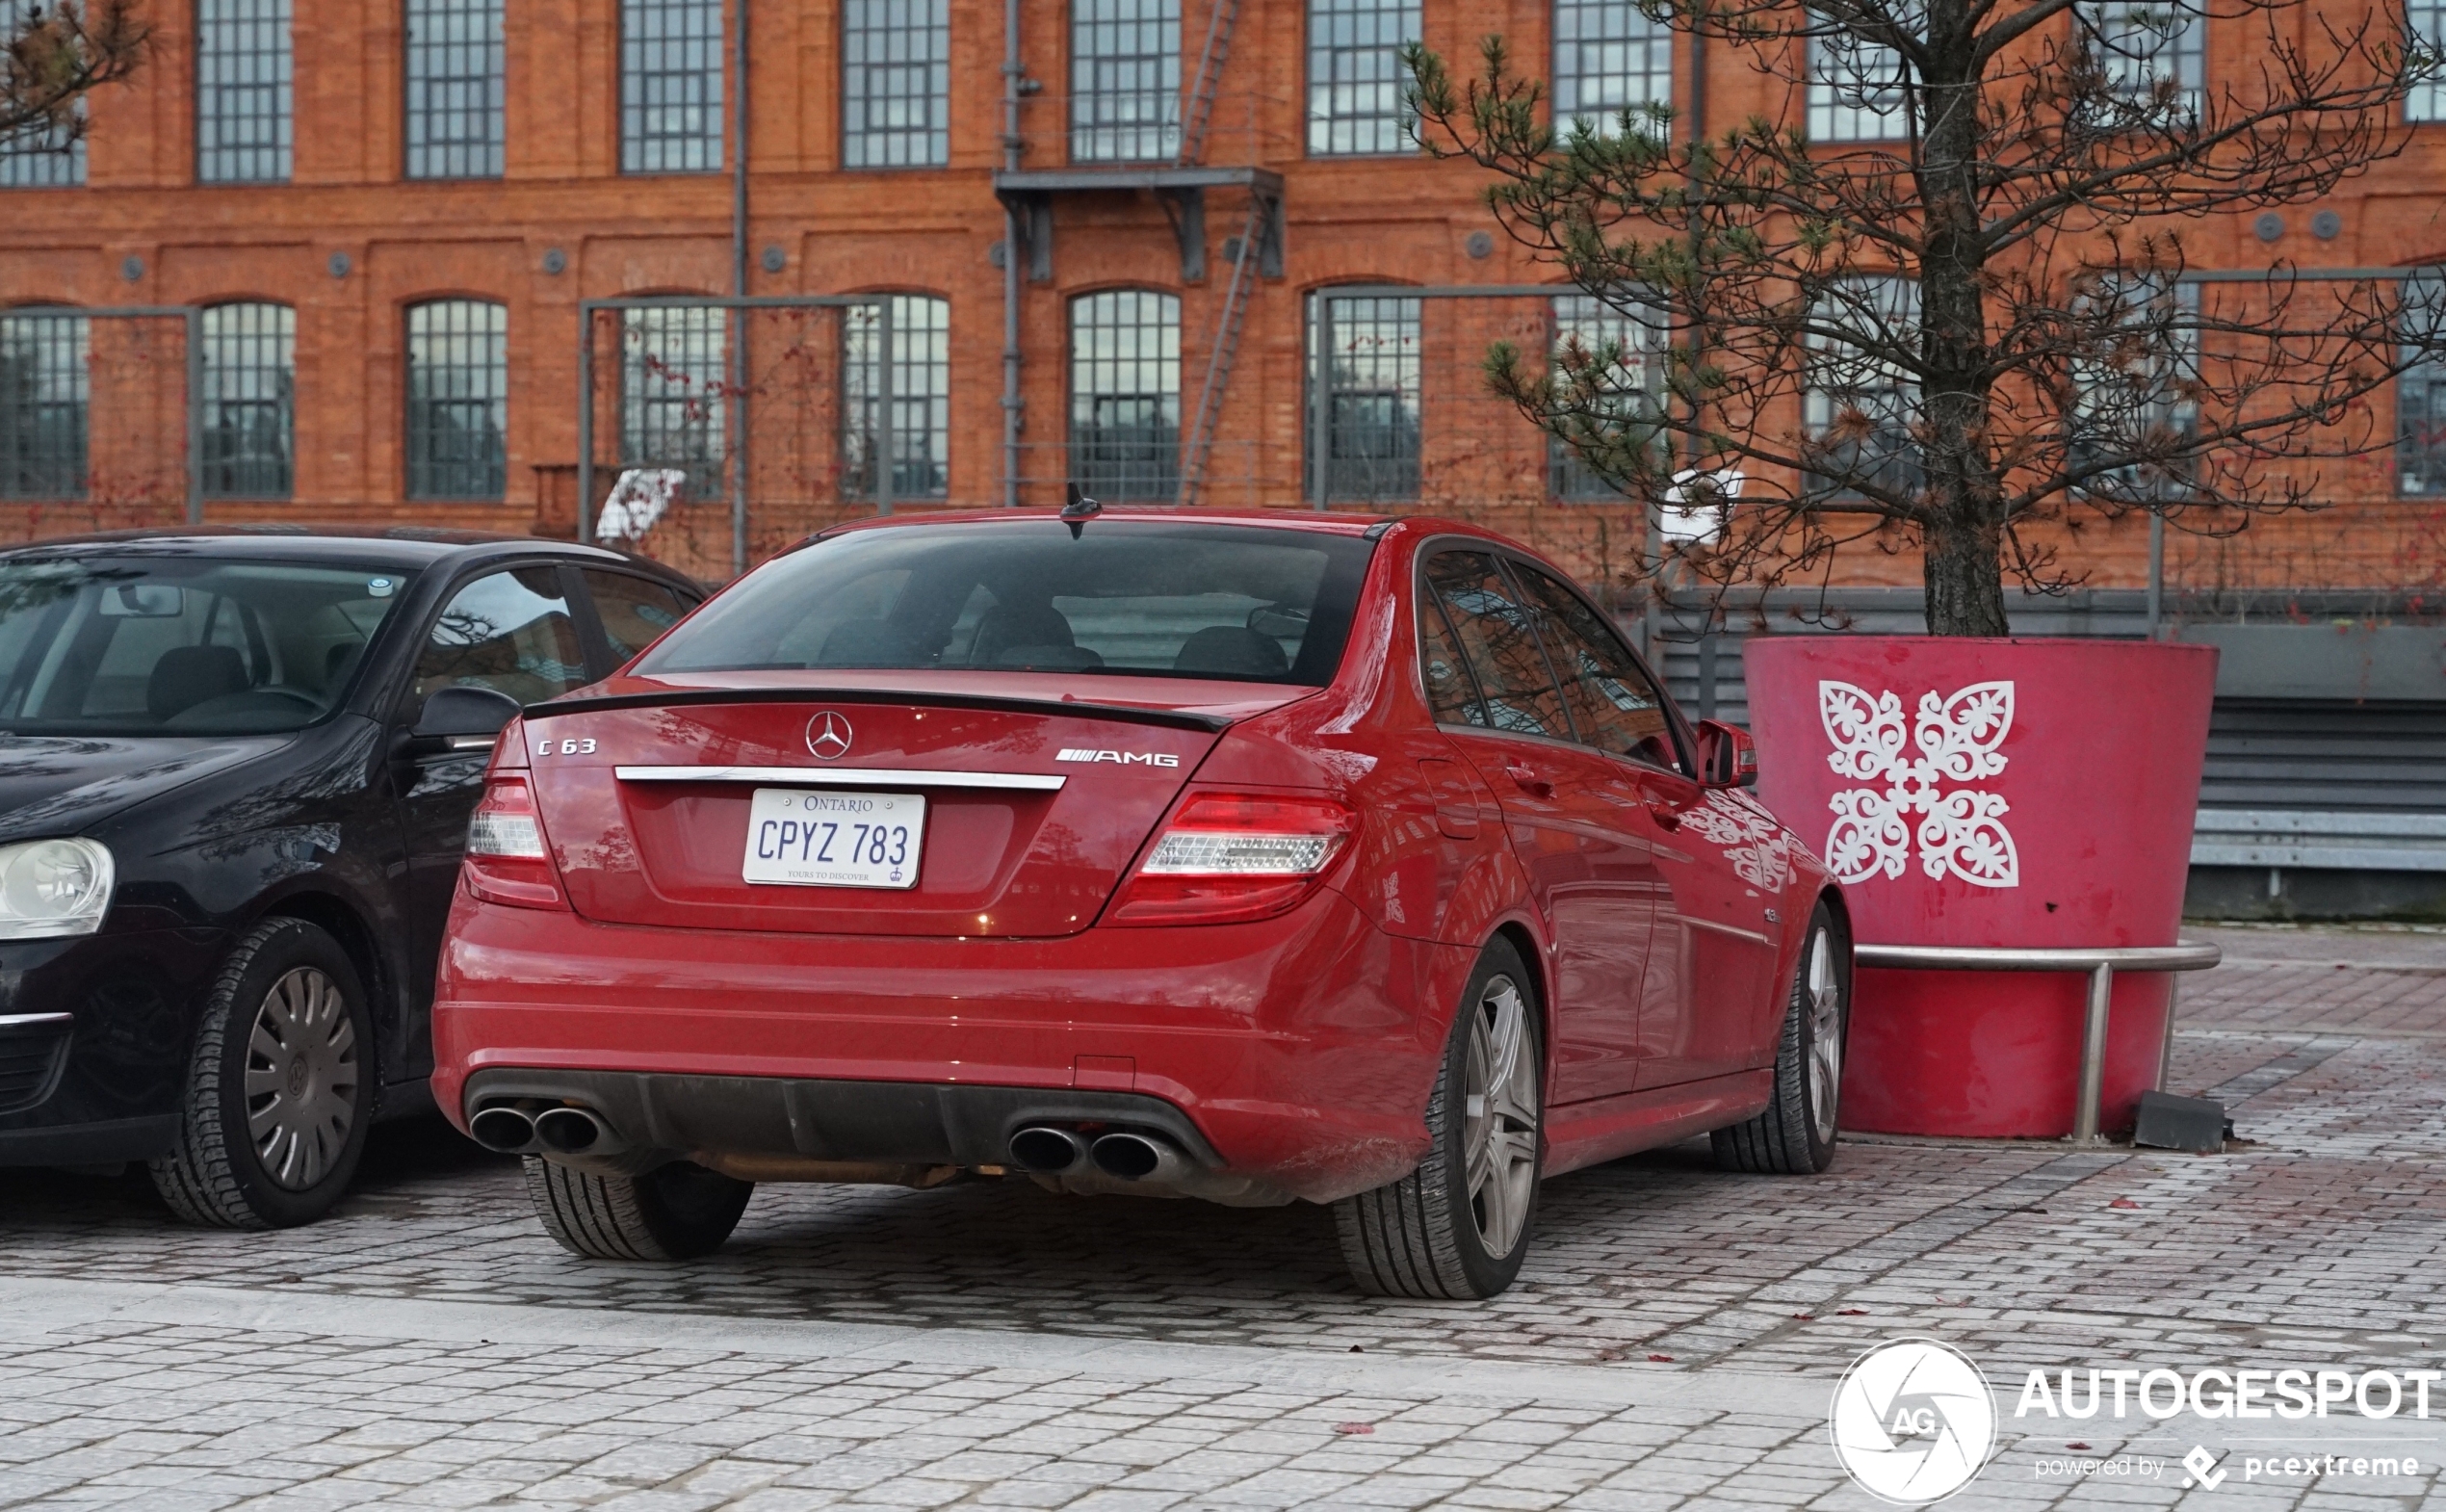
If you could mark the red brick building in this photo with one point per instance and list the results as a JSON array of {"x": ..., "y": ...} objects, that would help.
[{"x": 391, "y": 213}]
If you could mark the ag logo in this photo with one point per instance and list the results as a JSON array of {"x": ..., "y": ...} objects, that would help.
[
  {"x": 829, "y": 735},
  {"x": 1913, "y": 1421}
]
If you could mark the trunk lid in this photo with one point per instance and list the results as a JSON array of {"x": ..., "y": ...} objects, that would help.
[{"x": 1034, "y": 805}]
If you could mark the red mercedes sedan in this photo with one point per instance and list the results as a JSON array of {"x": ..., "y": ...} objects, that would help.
[{"x": 1256, "y": 858}]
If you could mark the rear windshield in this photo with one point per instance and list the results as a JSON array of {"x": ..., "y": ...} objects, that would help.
[
  {"x": 137, "y": 645},
  {"x": 1133, "y": 598}
]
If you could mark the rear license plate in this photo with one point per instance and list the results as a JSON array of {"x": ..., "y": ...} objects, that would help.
[{"x": 838, "y": 839}]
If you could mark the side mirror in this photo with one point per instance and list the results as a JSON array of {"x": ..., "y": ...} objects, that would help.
[
  {"x": 463, "y": 718},
  {"x": 1727, "y": 758}
]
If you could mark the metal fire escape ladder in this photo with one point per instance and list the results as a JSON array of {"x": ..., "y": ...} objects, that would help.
[
  {"x": 1220, "y": 351},
  {"x": 1210, "y": 77}
]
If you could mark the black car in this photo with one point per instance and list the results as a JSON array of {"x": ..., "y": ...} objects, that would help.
[{"x": 236, "y": 769}]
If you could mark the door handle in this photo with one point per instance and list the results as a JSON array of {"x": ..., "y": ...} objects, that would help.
[{"x": 1526, "y": 777}]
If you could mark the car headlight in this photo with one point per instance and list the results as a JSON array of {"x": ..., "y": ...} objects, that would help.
[{"x": 50, "y": 888}]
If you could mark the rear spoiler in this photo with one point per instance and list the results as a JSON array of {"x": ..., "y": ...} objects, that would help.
[{"x": 1174, "y": 718}]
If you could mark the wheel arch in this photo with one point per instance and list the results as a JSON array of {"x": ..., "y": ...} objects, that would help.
[
  {"x": 339, "y": 919},
  {"x": 1518, "y": 935}
]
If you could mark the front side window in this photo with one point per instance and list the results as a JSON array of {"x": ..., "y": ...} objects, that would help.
[
  {"x": 1125, "y": 79},
  {"x": 249, "y": 401},
  {"x": 139, "y": 644},
  {"x": 672, "y": 379},
  {"x": 1124, "y": 598},
  {"x": 1497, "y": 634},
  {"x": 1371, "y": 399},
  {"x": 1125, "y": 395},
  {"x": 457, "y": 400},
  {"x": 243, "y": 126},
  {"x": 921, "y": 446},
  {"x": 1609, "y": 57},
  {"x": 1860, "y": 401},
  {"x": 670, "y": 86},
  {"x": 896, "y": 83},
  {"x": 511, "y": 632},
  {"x": 46, "y": 382},
  {"x": 1614, "y": 705},
  {"x": 1356, "y": 78},
  {"x": 455, "y": 93},
  {"x": 1857, "y": 90}
]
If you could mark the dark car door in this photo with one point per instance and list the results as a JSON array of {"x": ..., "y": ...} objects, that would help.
[
  {"x": 1588, "y": 861},
  {"x": 514, "y": 630}
]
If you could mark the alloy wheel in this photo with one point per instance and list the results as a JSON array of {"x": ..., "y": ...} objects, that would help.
[
  {"x": 1500, "y": 1131},
  {"x": 301, "y": 1074},
  {"x": 1825, "y": 1008}
]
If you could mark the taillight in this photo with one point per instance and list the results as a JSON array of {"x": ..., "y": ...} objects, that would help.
[
  {"x": 507, "y": 861},
  {"x": 1227, "y": 857}
]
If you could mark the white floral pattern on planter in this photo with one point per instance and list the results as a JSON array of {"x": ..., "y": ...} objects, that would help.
[
  {"x": 1961, "y": 830},
  {"x": 1758, "y": 847}
]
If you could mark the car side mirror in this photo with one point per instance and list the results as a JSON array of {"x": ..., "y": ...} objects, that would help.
[
  {"x": 1727, "y": 758},
  {"x": 463, "y": 718}
]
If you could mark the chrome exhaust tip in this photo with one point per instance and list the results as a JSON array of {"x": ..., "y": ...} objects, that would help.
[
  {"x": 1137, "y": 1158},
  {"x": 1047, "y": 1150},
  {"x": 570, "y": 1131},
  {"x": 503, "y": 1131}
]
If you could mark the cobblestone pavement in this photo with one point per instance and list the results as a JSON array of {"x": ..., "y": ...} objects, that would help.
[{"x": 1673, "y": 1339}]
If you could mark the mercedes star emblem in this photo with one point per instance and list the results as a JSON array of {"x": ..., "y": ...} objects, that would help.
[{"x": 829, "y": 735}]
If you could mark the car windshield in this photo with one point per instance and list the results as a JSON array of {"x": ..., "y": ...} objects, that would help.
[
  {"x": 155, "y": 646},
  {"x": 1147, "y": 598}
]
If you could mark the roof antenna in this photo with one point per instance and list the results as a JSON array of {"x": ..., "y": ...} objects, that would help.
[{"x": 1078, "y": 512}]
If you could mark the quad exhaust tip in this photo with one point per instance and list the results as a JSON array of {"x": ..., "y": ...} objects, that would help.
[
  {"x": 1047, "y": 1150},
  {"x": 505, "y": 1130},
  {"x": 1137, "y": 1158},
  {"x": 569, "y": 1130}
]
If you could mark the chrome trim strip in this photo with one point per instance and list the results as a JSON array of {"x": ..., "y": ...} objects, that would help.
[
  {"x": 846, "y": 777},
  {"x": 27, "y": 1020}
]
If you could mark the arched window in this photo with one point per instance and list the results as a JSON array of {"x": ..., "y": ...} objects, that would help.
[
  {"x": 920, "y": 399},
  {"x": 45, "y": 378},
  {"x": 457, "y": 400},
  {"x": 674, "y": 375},
  {"x": 249, "y": 401},
  {"x": 1125, "y": 395}
]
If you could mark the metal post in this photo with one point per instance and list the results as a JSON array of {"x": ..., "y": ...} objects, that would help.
[
  {"x": 585, "y": 420},
  {"x": 2094, "y": 1055},
  {"x": 882, "y": 445},
  {"x": 1320, "y": 422},
  {"x": 2156, "y": 570},
  {"x": 2166, "y": 1046},
  {"x": 1014, "y": 71},
  {"x": 737, "y": 409},
  {"x": 194, "y": 416}
]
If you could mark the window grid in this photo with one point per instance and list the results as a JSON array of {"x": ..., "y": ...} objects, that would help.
[
  {"x": 1125, "y": 395},
  {"x": 1608, "y": 57},
  {"x": 896, "y": 83},
  {"x": 1371, "y": 400},
  {"x": 674, "y": 379},
  {"x": 1601, "y": 329},
  {"x": 2141, "y": 42},
  {"x": 1882, "y": 312},
  {"x": 43, "y": 156},
  {"x": 457, "y": 400},
  {"x": 45, "y": 384},
  {"x": 920, "y": 399},
  {"x": 1355, "y": 76},
  {"x": 243, "y": 126},
  {"x": 1125, "y": 79},
  {"x": 2118, "y": 402},
  {"x": 2420, "y": 392},
  {"x": 2426, "y": 19},
  {"x": 670, "y": 86},
  {"x": 456, "y": 85},
  {"x": 249, "y": 401},
  {"x": 1856, "y": 91}
]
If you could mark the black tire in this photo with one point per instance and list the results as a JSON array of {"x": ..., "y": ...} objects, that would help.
[
  {"x": 1425, "y": 1234},
  {"x": 676, "y": 1212},
  {"x": 1795, "y": 1135},
  {"x": 280, "y": 1088}
]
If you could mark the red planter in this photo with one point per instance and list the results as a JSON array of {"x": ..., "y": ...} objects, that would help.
[{"x": 1990, "y": 793}]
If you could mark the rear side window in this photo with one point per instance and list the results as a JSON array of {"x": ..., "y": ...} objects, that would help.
[
  {"x": 1125, "y": 598},
  {"x": 1613, "y": 704},
  {"x": 1497, "y": 634},
  {"x": 511, "y": 632},
  {"x": 1450, "y": 694},
  {"x": 634, "y": 610}
]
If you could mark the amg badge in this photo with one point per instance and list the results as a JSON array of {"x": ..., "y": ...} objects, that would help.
[{"x": 1121, "y": 757}]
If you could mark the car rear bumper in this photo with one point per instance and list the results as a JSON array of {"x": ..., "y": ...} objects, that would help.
[{"x": 1292, "y": 1052}]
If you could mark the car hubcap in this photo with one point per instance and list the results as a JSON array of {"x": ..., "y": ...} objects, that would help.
[
  {"x": 1500, "y": 1131},
  {"x": 300, "y": 1079},
  {"x": 1825, "y": 1008}
]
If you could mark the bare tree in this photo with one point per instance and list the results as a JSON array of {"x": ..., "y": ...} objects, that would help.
[
  {"x": 58, "y": 53},
  {"x": 1943, "y": 298}
]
